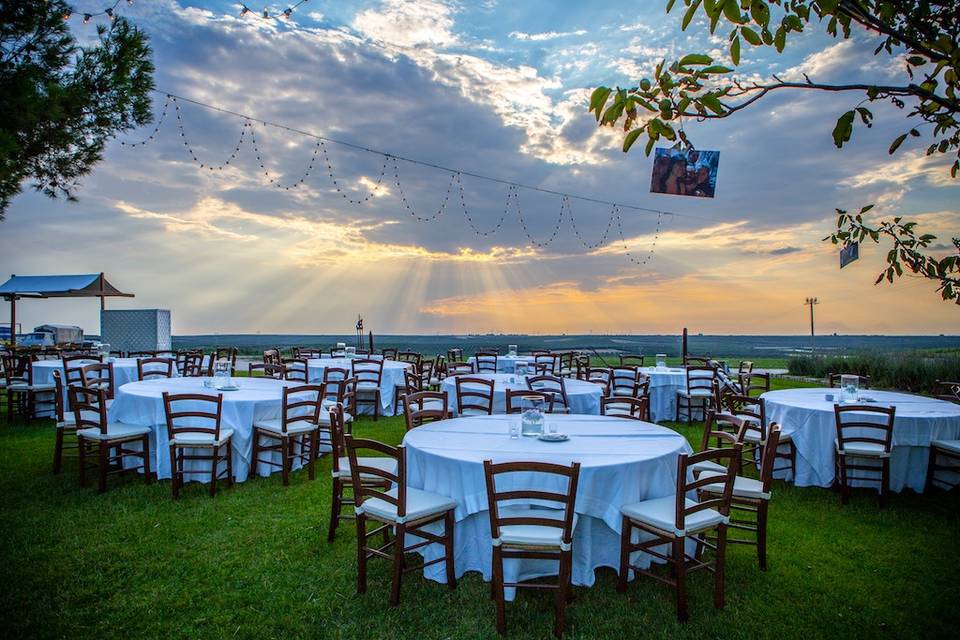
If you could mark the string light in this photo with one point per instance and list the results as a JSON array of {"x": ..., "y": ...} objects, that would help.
[
  {"x": 265, "y": 14},
  {"x": 456, "y": 179},
  {"x": 110, "y": 12}
]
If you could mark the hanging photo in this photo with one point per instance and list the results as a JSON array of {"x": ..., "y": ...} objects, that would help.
[{"x": 688, "y": 172}]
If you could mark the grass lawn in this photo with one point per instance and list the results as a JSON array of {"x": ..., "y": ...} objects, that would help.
[{"x": 254, "y": 563}]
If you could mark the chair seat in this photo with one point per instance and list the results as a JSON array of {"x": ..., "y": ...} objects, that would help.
[
  {"x": 947, "y": 445},
  {"x": 385, "y": 464},
  {"x": 864, "y": 449},
  {"x": 367, "y": 386},
  {"x": 115, "y": 431},
  {"x": 708, "y": 465},
  {"x": 434, "y": 382},
  {"x": 748, "y": 418},
  {"x": 753, "y": 437},
  {"x": 324, "y": 419},
  {"x": 275, "y": 425},
  {"x": 742, "y": 487},
  {"x": 200, "y": 439},
  {"x": 36, "y": 388},
  {"x": 473, "y": 412},
  {"x": 420, "y": 505},
  {"x": 524, "y": 535},
  {"x": 69, "y": 422},
  {"x": 661, "y": 514},
  {"x": 696, "y": 393}
]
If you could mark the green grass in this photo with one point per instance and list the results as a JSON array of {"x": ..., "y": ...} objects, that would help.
[{"x": 254, "y": 563}]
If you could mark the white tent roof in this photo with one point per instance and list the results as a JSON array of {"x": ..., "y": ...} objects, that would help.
[{"x": 67, "y": 286}]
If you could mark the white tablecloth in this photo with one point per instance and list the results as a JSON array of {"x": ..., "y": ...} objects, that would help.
[
  {"x": 584, "y": 397},
  {"x": 124, "y": 371},
  {"x": 392, "y": 378},
  {"x": 141, "y": 403},
  {"x": 664, "y": 385},
  {"x": 622, "y": 461},
  {"x": 808, "y": 417},
  {"x": 505, "y": 364}
]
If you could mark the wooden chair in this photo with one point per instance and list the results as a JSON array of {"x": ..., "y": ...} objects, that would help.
[
  {"x": 403, "y": 509},
  {"x": 567, "y": 367},
  {"x": 192, "y": 365},
  {"x": 672, "y": 519},
  {"x": 267, "y": 370},
  {"x": 99, "y": 375},
  {"x": 424, "y": 406},
  {"x": 454, "y": 355},
  {"x": 582, "y": 364},
  {"x": 699, "y": 392},
  {"x": 486, "y": 361},
  {"x": 555, "y": 387},
  {"x": 389, "y": 353},
  {"x": 697, "y": 361},
  {"x": 601, "y": 376},
  {"x": 73, "y": 368},
  {"x": 155, "y": 368},
  {"x": 533, "y": 530},
  {"x": 720, "y": 431},
  {"x": 949, "y": 449},
  {"x": 547, "y": 363},
  {"x": 626, "y": 407},
  {"x": 142, "y": 354},
  {"x": 296, "y": 370},
  {"x": 272, "y": 356},
  {"x": 439, "y": 371},
  {"x": 624, "y": 381},
  {"x": 745, "y": 368},
  {"x": 223, "y": 353},
  {"x": 754, "y": 415},
  {"x": 514, "y": 399},
  {"x": 750, "y": 496},
  {"x": 410, "y": 357},
  {"x": 342, "y": 482},
  {"x": 105, "y": 440},
  {"x": 948, "y": 391},
  {"x": 754, "y": 383},
  {"x": 181, "y": 359},
  {"x": 459, "y": 369},
  {"x": 294, "y": 435},
  {"x": 24, "y": 395},
  {"x": 200, "y": 438},
  {"x": 474, "y": 396},
  {"x": 369, "y": 375},
  {"x": 867, "y": 443},
  {"x": 66, "y": 438},
  {"x": 833, "y": 379},
  {"x": 633, "y": 360},
  {"x": 307, "y": 353}
]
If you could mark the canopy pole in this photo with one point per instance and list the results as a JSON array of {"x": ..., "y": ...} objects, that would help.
[{"x": 13, "y": 321}]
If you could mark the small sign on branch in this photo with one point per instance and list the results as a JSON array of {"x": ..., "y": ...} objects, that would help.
[{"x": 849, "y": 253}]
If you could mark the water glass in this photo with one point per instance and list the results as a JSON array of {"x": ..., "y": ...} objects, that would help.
[
  {"x": 514, "y": 430},
  {"x": 552, "y": 428},
  {"x": 849, "y": 388},
  {"x": 512, "y": 349},
  {"x": 531, "y": 423},
  {"x": 661, "y": 361}
]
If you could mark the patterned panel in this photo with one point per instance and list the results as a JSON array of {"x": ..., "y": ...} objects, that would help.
[{"x": 135, "y": 329}]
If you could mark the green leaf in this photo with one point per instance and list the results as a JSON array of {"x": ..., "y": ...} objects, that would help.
[
  {"x": 844, "y": 128},
  {"x": 711, "y": 102},
  {"x": 735, "y": 50},
  {"x": 688, "y": 16},
  {"x": 731, "y": 9},
  {"x": 896, "y": 144},
  {"x": 751, "y": 36},
  {"x": 630, "y": 139},
  {"x": 670, "y": 4},
  {"x": 717, "y": 68},
  {"x": 598, "y": 99},
  {"x": 695, "y": 58},
  {"x": 780, "y": 39}
]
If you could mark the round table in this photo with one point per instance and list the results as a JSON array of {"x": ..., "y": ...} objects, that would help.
[
  {"x": 584, "y": 397},
  {"x": 124, "y": 371},
  {"x": 507, "y": 363},
  {"x": 664, "y": 385},
  {"x": 141, "y": 403},
  {"x": 807, "y": 416},
  {"x": 391, "y": 379},
  {"x": 621, "y": 461}
]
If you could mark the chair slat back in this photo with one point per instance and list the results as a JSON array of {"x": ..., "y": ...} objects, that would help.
[
  {"x": 474, "y": 394},
  {"x": 751, "y": 410},
  {"x": 296, "y": 370},
  {"x": 301, "y": 403},
  {"x": 754, "y": 384},
  {"x": 58, "y": 388},
  {"x": 626, "y": 407},
  {"x": 728, "y": 457},
  {"x": 267, "y": 369},
  {"x": 367, "y": 370},
  {"x": 700, "y": 378},
  {"x": 272, "y": 356},
  {"x": 503, "y": 485},
  {"x": 601, "y": 376},
  {"x": 553, "y": 385},
  {"x": 221, "y": 354},
  {"x": 389, "y": 353},
  {"x": 627, "y": 359},
  {"x": 547, "y": 363},
  {"x": 89, "y": 408},
  {"x": 864, "y": 423},
  {"x": 73, "y": 368},
  {"x": 725, "y": 429},
  {"x": 624, "y": 380},
  {"x": 745, "y": 368},
  {"x": 99, "y": 375},
  {"x": 412, "y": 357},
  {"x": 424, "y": 406},
  {"x": 459, "y": 368},
  {"x": 514, "y": 399},
  {"x": 193, "y": 412},
  {"x": 155, "y": 368},
  {"x": 356, "y": 449},
  {"x": 454, "y": 355},
  {"x": 769, "y": 456},
  {"x": 486, "y": 361}
]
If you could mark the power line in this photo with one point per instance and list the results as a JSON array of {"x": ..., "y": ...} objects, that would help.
[{"x": 423, "y": 163}]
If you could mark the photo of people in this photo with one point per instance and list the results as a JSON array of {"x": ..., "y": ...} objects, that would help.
[{"x": 685, "y": 172}]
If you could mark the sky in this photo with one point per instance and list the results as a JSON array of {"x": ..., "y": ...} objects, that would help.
[{"x": 493, "y": 88}]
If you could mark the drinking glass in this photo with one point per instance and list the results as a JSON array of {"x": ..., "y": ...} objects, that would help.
[
  {"x": 850, "y": 387},
  {"x": 531, "y": 423},
  {"x": 514, "y": 430},
  {"x": 512, "y": 349},
  {"x": 661, "y": 361}
]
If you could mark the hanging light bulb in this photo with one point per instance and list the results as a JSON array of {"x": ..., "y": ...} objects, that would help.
[
  {"x": 244, "y": 11},
  {"x": 109, "y": 13},
  {"x": 86, "y": 18},
  {"x": 287, "y": 12},
  {"x": 66, "y": 15},
  {"x": 266, "y": 14},
  {"x": 129, "y": 2}
]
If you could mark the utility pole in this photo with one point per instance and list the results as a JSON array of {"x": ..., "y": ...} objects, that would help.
[{"x": 811, "y": 302}]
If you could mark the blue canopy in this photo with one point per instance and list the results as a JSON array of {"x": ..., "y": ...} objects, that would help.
[{"x": 92, "y": 285}]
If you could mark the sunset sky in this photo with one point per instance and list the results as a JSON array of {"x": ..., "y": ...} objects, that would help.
[{"x": 494, "y": 88}]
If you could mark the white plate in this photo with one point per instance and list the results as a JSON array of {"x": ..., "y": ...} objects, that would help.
[{"x": 553, "y": 437}]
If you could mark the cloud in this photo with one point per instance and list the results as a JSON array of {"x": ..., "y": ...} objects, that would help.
[
  {"x": 546, "y": 35},
  {"x": 908, "y": 168}
]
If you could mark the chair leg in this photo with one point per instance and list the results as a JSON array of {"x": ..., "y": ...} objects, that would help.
[
  {"x": 285, "y": 459},
  {"x": 397, "y": 565},
  {"x": 376, "y": 405},
  {"x": 255, "y": 456},
  {"x": 174, "y": 473},
  {"x": 81, "y": 451},
  {"x": 213, "y": 470},
  {"x": 563, "y": 591},
  {"x": 335, "y": 505},
  {"x": 931, "y": 467},
  {"x": 499, "y": 596},
  {"x": 314, "y": 454},
  {"x": 680, "y": 570},
  {"x": 102, "y": 464},
  {"x": 844, "y": 487},
  {"x": 884, "y": 482},
  {"x": 230, "y": 463},
  {"x": 762, "y": 535},
  {"x": 147, "y": 473},
  {"x": 448, "y": 526},
  {"x": 361, "y": 553},
  {"x": 719, "y": 565},
  {"x": 625, "y": 531},
  {"x": 58, "y": 452}
]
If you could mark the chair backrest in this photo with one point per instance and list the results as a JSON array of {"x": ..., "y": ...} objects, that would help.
[
  {"x": 73, "y": 368},
  {"x": 266, "y": 369},
  {"x": 440, "y": 367},
  {"x": 553, "y": 385},
  {"x": 296, "y": 370},
  {"x": 833, "y": 379},
  {"x": 474, "y": 394},
  {"x": 769, "y": 456},
  {"x": 582, "y": 363},
  {"x": 754, "y": 383},
  {"x": 220, "y": 354},
  {"x": 751, "y": 410},
  {"x": 342, "y": 391},
  {"x": 514, "y": 399},
  {"x": 624, "y": 380},
  {"x": 459, "y": 368},
  {"x": 726, "y": 430},
  {"x": 89, "y": 408},
  {"x": 630, "y": 359},
  {"x": 151, "y": 368},
  {"x": 454, "y": 355},
  {"x": 17, "y": 368},
  {"x": 307, "y": 353},
  {"x": 338, "y": 428},
  {"x": 356, "y": 447},
  {"x": 728, "y": 457},
  {"x": 547, "y": 363},
  {"x": 412, "y": 357},
  {"x": 539, "y": 352},
  {"x": 201, "y": 414},
  {"x": 424, "y": 406},
  {"x": 745, "y": 368},
  {"x": 301, "y": 403},
  {"x": 564, "y": 502},
  {"x": 191, "y": 364},
  {"x": 864, "y": 423},
  {"x": 99, "y": 375},
  {"x": 486, "y": 361},
  {"x": 367, "y": 370},
  {"x": 700, "y": 378},
  {"x": 58, "y": 388},
  {"x": 601, "y": 376},
  {"x": 412, "y": 382},
  {"x": 425, "y": 370},
  {"x": 626, "y": 407},
  {"x": 142, "y": 354},
  {"x": 948, "y": 391},
  {"x": 389, "y": 353},
  {"x": 566, "y": 363},
  {"x": 272, "y": 356},
  {"x": 701, "y": 361}
]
